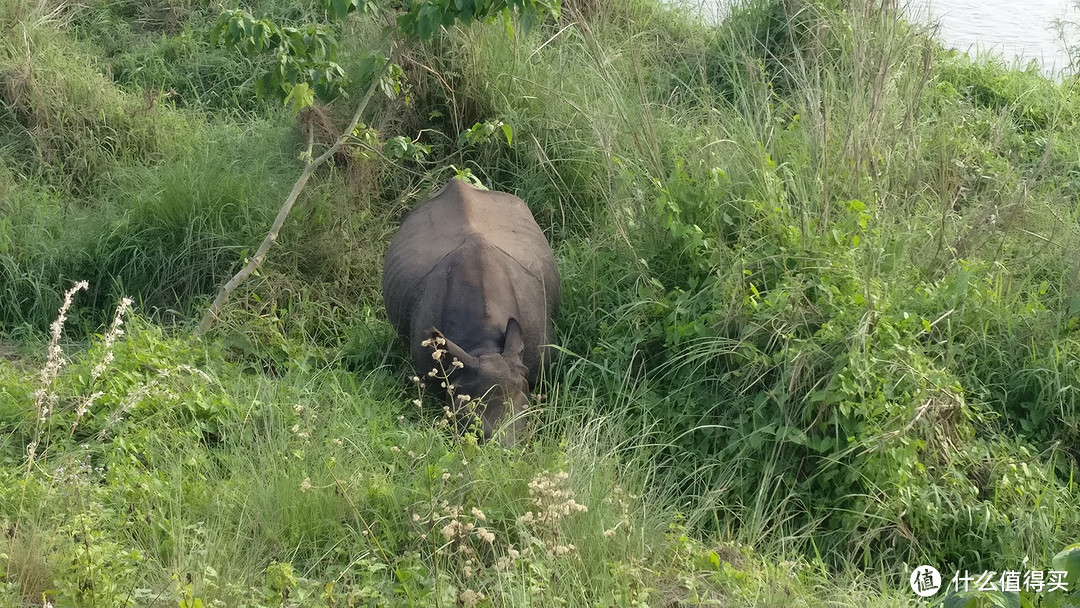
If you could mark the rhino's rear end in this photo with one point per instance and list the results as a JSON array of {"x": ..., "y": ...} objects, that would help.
[{"x": 471, "y": 263}]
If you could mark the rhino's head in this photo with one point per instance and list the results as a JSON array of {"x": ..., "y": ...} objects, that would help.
[{"x": 495, "y": 382}]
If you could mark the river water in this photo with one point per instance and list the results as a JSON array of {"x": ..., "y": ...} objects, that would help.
[{"x": 1017, "y": 31}]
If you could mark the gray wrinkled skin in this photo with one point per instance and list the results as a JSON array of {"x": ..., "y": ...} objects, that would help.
[{"x": 473, "y": 266}]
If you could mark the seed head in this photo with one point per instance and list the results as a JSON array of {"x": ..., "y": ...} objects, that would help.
[
  {"x": 486, "y": 536},
  {"x": 469, "y": 598}
]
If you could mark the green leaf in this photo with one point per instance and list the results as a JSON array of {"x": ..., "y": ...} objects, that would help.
[
  {"x": 509, "y": 24},
  {"x": 300, "y": 96},
  {"x": 403, "y": 147},
  {"x": 1010, "y": 599},
  {"x": 407, "y": 23},
  {"x": 219, "y": 27},
  {"x": 965, "y": 599},
  {"x": 527, "y": 20},
  {"x": 1074, "y": 306},
  {"x": 234, "y": 32},
  {"x": 509, "y": 132},
  {"x": 339, "y": 8},
  {"x": 1069, "y": 560},
  {"x": 428, "y": 21}
]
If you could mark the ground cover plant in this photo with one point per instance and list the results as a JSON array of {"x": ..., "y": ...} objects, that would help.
[{"x": 818, "y": 327}]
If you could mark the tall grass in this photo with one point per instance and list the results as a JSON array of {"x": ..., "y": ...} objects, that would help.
[
  {"x": 800, "y": 228},
  {"x": 219, "y": 486}
]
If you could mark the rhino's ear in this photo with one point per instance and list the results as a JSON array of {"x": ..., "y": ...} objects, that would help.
[
  {"x": 513, "y": 344},
  {"x": 455, "y": 351}
]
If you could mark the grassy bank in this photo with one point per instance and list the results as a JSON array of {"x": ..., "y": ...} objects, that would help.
[{"x": 820, "y": 313}]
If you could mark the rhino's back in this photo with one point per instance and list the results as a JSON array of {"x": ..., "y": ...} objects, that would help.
[{"x": 460, "y": 218}]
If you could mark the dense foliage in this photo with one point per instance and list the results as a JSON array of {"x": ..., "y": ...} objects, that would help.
[{"x": 820, "y": 318}]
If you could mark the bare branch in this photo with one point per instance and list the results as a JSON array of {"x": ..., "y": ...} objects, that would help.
[{"x": 223, "y": 296}]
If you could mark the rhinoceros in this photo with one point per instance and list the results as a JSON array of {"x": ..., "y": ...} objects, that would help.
[{"x": 472, "y": 267}]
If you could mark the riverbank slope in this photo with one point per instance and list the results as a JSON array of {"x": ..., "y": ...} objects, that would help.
[{"x": 820, "y": 314}]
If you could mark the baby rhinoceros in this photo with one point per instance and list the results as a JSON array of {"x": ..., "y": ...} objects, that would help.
[{"x": 469, "y": 272}]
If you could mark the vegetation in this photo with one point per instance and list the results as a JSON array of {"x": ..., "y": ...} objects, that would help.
[{"x": 820, "y": 318}]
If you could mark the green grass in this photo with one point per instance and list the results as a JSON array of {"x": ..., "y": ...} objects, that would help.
[
  {"x": 819, "y": 315},
  {"x": 235, "y": 488}
]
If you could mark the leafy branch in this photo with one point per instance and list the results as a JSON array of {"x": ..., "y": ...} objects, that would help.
[{"x": 303, "y": 59}]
